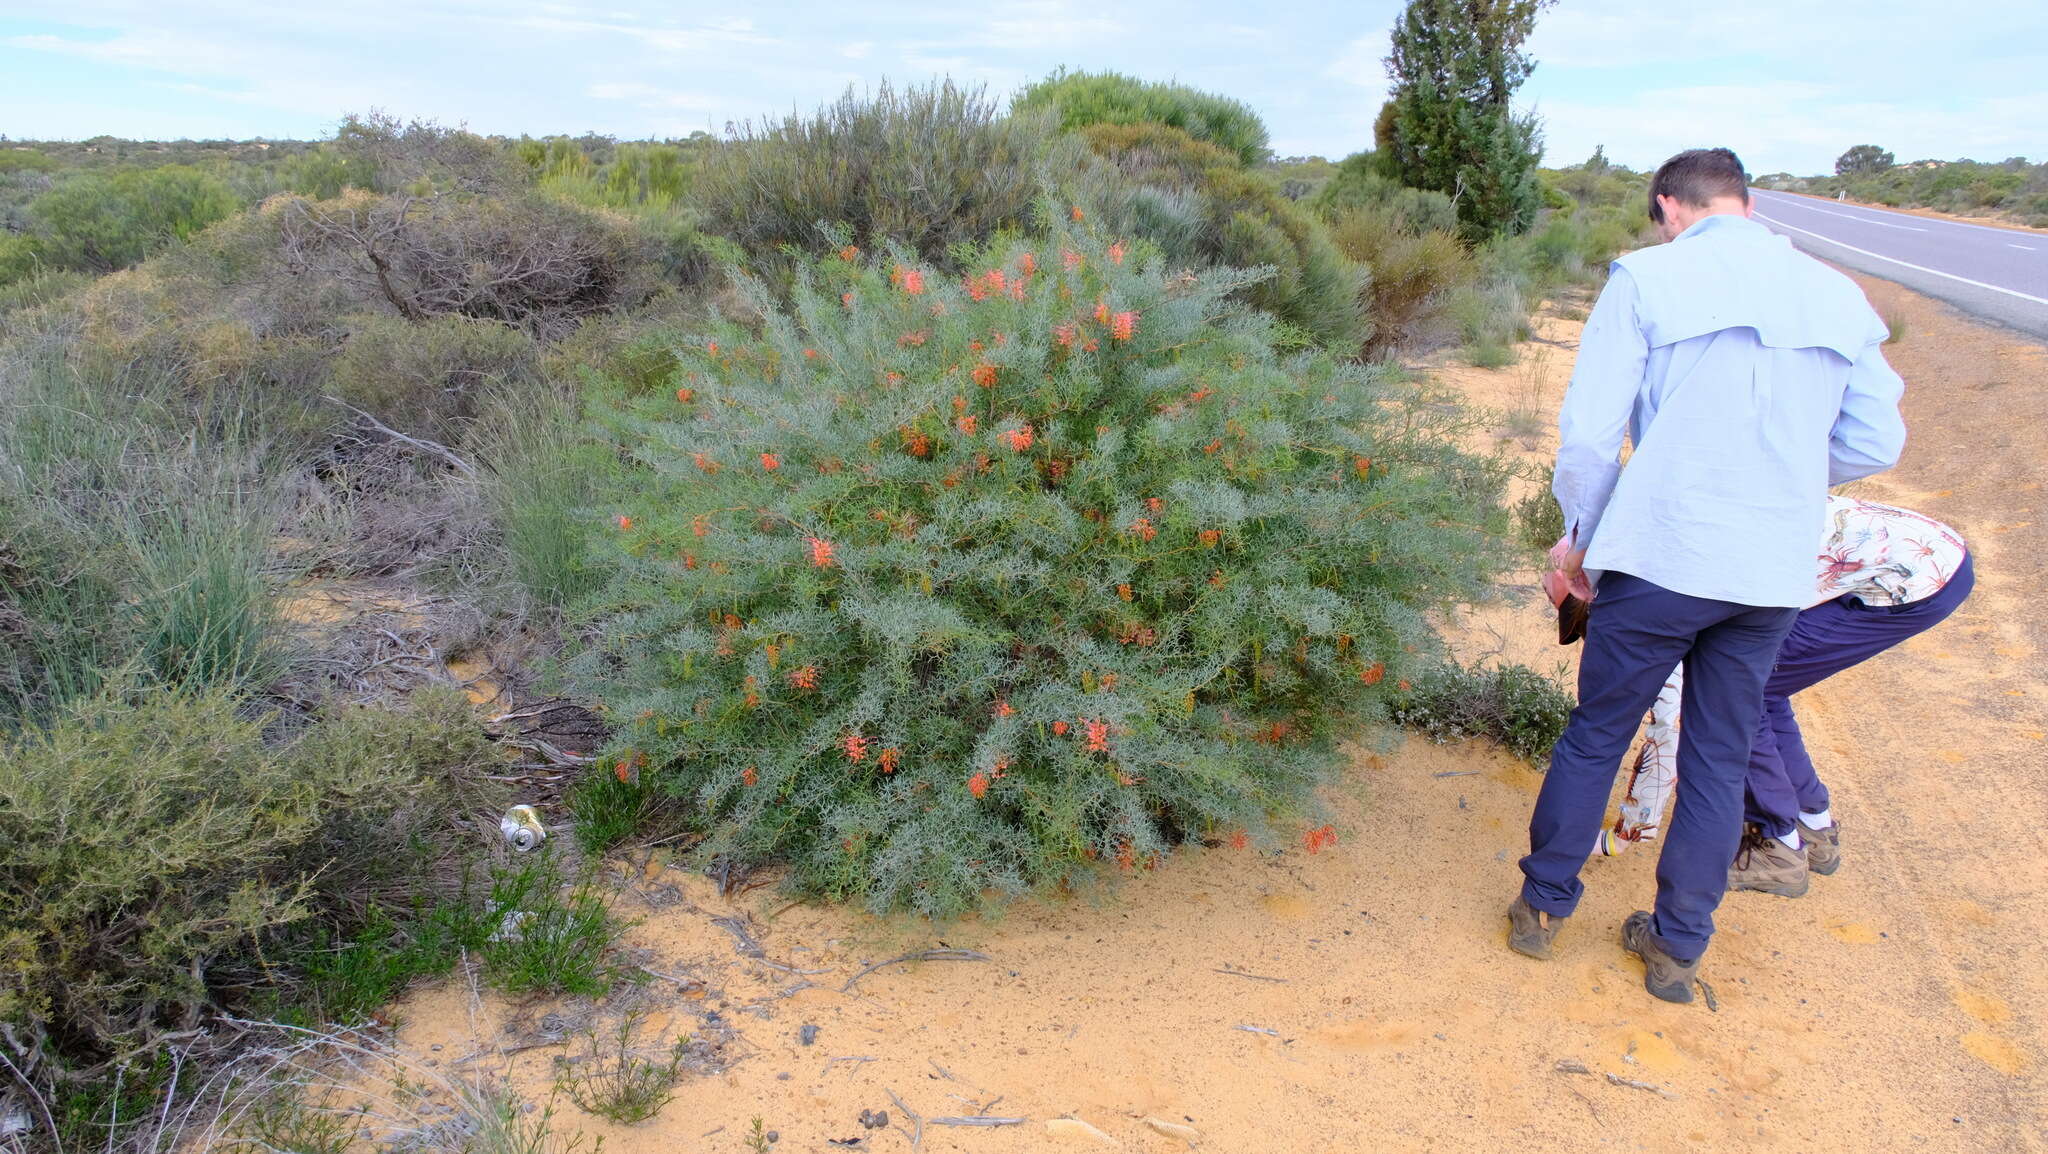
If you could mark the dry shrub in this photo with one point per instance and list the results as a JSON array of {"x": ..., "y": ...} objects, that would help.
[{"x": 1411, "y": 275}]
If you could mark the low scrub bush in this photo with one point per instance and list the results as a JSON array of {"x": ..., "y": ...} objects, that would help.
[
  {"x": 1539, "y": 520},
  {"x": 1207, "y": 210},
  {"x": 929, "y": 167},
  {"x": 1512, "y": 704},
  {"x": 428, "y": 378},
  {"x": 942, "y": 588},
  {"x": 153, "y": 841},
  {"x": 1081, "y": 99},
  {"x": 101, "y": 221},
  {"x": 1410, "y": 275}
]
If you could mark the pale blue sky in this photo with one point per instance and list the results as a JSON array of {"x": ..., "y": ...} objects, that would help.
[{"x": 1788, "y": 84}]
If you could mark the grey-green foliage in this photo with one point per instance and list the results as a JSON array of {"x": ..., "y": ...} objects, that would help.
[
  {"x": 125, "y": 540},
  {"x": 928, "y": 167},
  {"x": 1085, "y": 98},
  {"x": 1512, "y": 704}
]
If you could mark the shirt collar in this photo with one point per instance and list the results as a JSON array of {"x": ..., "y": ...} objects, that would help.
[{"x": 1707, "y": 224}]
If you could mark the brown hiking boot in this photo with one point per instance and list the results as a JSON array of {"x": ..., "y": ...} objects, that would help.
[
  {"x": 1765, "y": 865},
  {"x": 1823, "y": 847},
  {"x": 1527, "y": 933},
  {"x": 1663, "y": 975}
]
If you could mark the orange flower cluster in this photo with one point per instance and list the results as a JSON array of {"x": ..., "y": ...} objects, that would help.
[
  {"x": 846, "y": 298},
  {"x": 849, "y": 253},
  {"x": 1072, "y": 260},
  {"x": 856, "y": 747},
  {"x": 1078, "y": 214},
  {"x": 1155, "y": 503},
  {"x": 1123, "y": 326},
  {"x": 753, "y": 691},
  {"x": 1028, "y": 262},
  {"x": 703, "y": 462},
  {"x": 917, "y": 444},
  {"x": 1098, "y": 735},
  {"x": 910, "y": 280},
  {"x": 993, "y": 284},
  {"x": 770, "y": 462},
  {"x": 1317, "y": 839},
  {"x": 1209, "y": 538},
  {"x": 985, "y": 375},
  {"x": 967, "y": 425},
  {"x": 1102, "y": 312},
  {"x": 1064, "y": 335},
  {"x": 914, "y": 340},
  {"x": 804, "y": 677},
  {"x": 810, "y": 354},
  {"x": 700, "y": 524},
  {"x": 1123, "y": 591},
  {"x": 1019, "y": 439},
  {"x": 1240, "y": 839},
  {"x": 686, "y": 395},
  {"x": 749, "y": 777},
  {"x": 1144, "y": 528},
  {"x": 624, "y": 522},
  {"x": 821, "y": 552},
  {"x": 1004, "y": 708},
  {"x": 1363, "y": 467},
  {"x": 978, "y": 785},
  {"x": 711, "y": 347},
  {"x": 1373, "y": 674},
  {"x": 1059, "y": 728}
]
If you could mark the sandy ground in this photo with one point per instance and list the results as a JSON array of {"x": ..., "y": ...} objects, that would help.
[{"x": 1363, "y": 998}]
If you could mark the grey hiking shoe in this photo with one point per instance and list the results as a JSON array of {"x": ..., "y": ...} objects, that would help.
[
  {"x": 1764, "y": 864},
  {"x": 1663, "y": 975},
  {"x": 1527, "y": 935},
  {"x": 1823, "y": 847}
]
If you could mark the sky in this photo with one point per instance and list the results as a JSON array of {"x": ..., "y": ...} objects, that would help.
[{"x": 1789, "y": 84}]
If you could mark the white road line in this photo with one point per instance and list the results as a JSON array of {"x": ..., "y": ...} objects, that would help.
[
  {"x": 1908, "y": 264},
  {"x": 1790, "y": 199},
  {"x": 2021, "y": 247},
  {"x": 1861, "y": 219}
]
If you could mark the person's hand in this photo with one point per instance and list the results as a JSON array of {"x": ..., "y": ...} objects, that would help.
[{"x": 1570, "y": 563}]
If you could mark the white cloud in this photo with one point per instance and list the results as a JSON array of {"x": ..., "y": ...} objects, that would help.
[{"x": 858, "y": 50}]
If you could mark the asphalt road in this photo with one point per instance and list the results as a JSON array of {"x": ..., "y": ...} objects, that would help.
[{"x": 1998, "y": 274}]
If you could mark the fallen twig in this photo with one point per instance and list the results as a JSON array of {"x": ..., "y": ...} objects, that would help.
[
  {"x": 978, "y": 1120},
  {"x": 439, "y": 450},
  {"x": 1457, "y": 773},
  {"x": 1248, "y": 974},
  {"x": 1632, "y": 1084},
  {"x": 1713, "y": 1003},
  {"x": 747, "y": 946},
  {"x": 1257, "y": 1030},
  {"x": 945, "y": 955},
  {"x": 856, "y": 1059},
  {"x": 917, "y": 1138}
]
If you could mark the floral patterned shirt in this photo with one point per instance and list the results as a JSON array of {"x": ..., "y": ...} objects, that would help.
[{"x": 1882, "y": 555}]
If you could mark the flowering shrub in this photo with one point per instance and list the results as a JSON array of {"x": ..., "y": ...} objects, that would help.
[{"x": 1058, "y": 562}]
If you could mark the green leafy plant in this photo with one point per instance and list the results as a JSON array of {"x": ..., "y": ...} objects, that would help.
[
  {"x": 1512, "y": 704},
  {"x": 1081, "y": 99},
  {"x": 938, "y": 588},
  {"x": 547, "y": 935},
  {"x": 618, "y": 1083}
]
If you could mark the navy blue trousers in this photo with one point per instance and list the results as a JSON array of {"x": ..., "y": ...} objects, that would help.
[
  {"x": 1825, "y": 640},
  {"x": 1635, "y": 633}
]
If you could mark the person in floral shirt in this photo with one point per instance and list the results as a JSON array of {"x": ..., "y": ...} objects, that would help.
[{"x": 1885, "y": 574}]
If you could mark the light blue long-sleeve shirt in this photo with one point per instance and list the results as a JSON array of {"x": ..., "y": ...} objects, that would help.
[{"x": 1749, "y": 378}]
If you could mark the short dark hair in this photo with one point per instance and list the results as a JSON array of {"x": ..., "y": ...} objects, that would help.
[{"x": 1696, "y": 176}]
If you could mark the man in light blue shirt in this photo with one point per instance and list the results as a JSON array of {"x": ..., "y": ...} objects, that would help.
[{"x": 1748, "y": 377}]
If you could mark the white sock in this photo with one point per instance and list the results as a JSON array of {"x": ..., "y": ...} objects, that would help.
[
  {"x": 1791, "y": 840},
  {"x": 1821, "y": 820}
]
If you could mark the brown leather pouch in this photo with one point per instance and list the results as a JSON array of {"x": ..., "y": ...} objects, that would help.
[{"x": 1571, "y": 620}]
